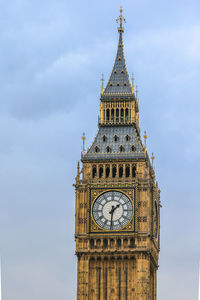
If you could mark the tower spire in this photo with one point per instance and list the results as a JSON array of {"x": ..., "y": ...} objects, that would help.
[{"x": 119, "y": 83}]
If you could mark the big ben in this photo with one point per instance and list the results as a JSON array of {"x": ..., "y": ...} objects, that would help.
[{"x": 117, "y": 221}]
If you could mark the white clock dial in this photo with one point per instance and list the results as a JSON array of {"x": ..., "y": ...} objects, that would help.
[{"x": 112, "y": 210}]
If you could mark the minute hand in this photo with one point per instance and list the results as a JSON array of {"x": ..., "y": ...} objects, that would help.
[{"x": 111, "y": 219}]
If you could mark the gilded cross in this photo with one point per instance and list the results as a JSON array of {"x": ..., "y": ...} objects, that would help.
[{"x": 121, "y": 18}]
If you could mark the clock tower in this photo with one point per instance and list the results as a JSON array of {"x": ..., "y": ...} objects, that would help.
[{"x": 117, "y": 222}]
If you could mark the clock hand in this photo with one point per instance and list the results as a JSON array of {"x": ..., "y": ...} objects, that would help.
[
  {"x": 111, "y": 221},
  {"x": 112, "y": 210},
  {"x": 117, "y": 206}
]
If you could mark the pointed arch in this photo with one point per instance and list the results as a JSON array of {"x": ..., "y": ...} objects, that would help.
[{"x": 122, "y": 115}]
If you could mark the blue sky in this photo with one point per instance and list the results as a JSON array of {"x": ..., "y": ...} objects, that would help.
[{"x": 51, "y": 59}]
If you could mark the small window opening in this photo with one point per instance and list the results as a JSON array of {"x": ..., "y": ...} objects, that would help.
[
  {"x": 117, "y": 115},
  {"x": 124, "y": 83},
  {"x": 96, "y": 149},
  {"x": 125, "y": 243},
  {"x": 105, "y": 243},
  {"x": 115, "y": 71},
  {"x": 115, "y": 138},
  {"x": 100, "y": 172},
  {"x": 110, "y": 83},
  {"x": 122, "y": 115},
  {"x": 126, "y": 114},
  {"x": 94, "y": 172},
  {"x": 119, "y": 58},
  {"x": 117, "y": 83},
  {"x": 98, "y": 243},
  {"x": 133, "y": 171},
  {"x": 112, "y": 114},
  {"x": 133, "y": 148},
  {"x": 91, "y": 243},
  {"x": 108, "y": 114},
  {"x": 132, "y": 243},
  {"x": 122, "y": 71},
  {"x": 120, "y": 171},
  {"x": 114, "y": 172},
  {"x": 121, "y": 148},
  {"x": 127, "y": 171},
  {"x": 104, "y": 138},
  {"x": 107, "y": 172},
  {"x": 119, "y": 243},
  {"x": 127, "y": 138},
  {"x": 108, "y": 149}
]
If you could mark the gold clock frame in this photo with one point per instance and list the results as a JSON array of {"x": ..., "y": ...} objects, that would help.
[{"x": 97, "y": 192}]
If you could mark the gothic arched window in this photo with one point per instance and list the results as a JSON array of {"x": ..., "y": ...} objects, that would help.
[
  {"x": 132, "y": 243},
  {"x": 121, "y": 149},
  {"x": 114, "y": 171},
  {"x": 94, "y": 171},
  {"x": 108, "y": 115},
  {"x": 97, "y": 149},
  {"x": 133, "y": 171},
  {"x": 117, "y": 115},
  {"x": 100, "y": 172},
  {"x": 116, "y": 138},
  {"x": 126, "y": 115},
  {"x": 127, "y": 171},
  {"x": 108, "y": 149},
  {"x": 120, "y": 171},
  {"x": 119, "y": 243},
  {"x": 133, "y": 148},
  {"x": 122, "y": 115},
  {"x": 107, "y": 172},
  {"x": 112, "y": 115}
]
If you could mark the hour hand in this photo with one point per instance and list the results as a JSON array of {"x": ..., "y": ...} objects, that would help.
[{"x": 112, "y": 210}]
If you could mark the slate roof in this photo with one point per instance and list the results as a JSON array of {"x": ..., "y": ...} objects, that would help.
[
  {"x": 119, "y": 78},
  {"x": 108, "y": 133}
]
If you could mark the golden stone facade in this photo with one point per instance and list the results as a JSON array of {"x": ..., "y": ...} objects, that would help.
[{"x": 117, "y": 222}]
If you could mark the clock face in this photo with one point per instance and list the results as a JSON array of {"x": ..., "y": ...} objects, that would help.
[{"x": 112, "y": 210}]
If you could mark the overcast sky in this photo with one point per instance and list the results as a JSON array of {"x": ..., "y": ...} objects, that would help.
[{"x": 52, "y": 54}]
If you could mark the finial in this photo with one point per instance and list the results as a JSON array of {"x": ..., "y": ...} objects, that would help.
[
  {"x": 152, "y": 158},
  {"x": 121, "y": 19},
  {"x": 102, "y": 80},
  {"x": 145, "y": 138},
  {"x": 83, "y": 139}
]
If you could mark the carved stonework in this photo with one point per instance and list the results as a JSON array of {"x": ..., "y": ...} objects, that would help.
[{"x": 117, "y": 218}]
